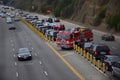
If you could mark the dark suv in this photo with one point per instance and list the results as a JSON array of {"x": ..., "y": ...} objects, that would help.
[{"x": 99, "y": 50}]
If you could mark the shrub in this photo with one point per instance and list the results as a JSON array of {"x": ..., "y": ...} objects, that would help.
[
  {"x": 113, "y": 21},
  {"x": 62, "y": 4},
  {"x": 98, "y": 17}
]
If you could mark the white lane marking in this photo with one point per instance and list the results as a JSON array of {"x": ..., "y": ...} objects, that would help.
[
  {"x": 15, "y": 63},
  {"x": 32, "y": 48},
  {"x": 14, "y": 55},
  {"x": 114, "y": 47},
  {"x": 13, "y": 49},
  {"x": 35, "y": 54},
  {"x": 16, "y": 74},
  {"x": 46, "y": 73},
  {"x": 40, "y": 62}
]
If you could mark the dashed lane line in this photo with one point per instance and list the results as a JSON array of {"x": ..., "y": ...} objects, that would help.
[
  {"x": 13, "y": 49},
  {"x": 17, "y": 74},
  {"x": 15, "y": 63},
  {"x": 46, "y": 73},
  {"x": 35, "y": 54},
  {"x": 40, "y": 62}
]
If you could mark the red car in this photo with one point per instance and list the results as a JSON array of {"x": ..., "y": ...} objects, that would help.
[{"x": 59, "y": 27}]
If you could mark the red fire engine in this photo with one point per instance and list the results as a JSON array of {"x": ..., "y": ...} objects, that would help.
[{"x": 65, "y": 39}]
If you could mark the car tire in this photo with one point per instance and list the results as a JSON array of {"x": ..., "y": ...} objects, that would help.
[{"x": 62, "y": 48}]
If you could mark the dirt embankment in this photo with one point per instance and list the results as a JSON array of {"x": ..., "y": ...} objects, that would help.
[{"x": 90, "y": 13}]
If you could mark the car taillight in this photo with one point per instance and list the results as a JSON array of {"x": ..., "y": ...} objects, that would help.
[
  {"x": 68, "y": 42},
  {"x": 109, "y": 52},
  {"x": 96, "y": 53}
]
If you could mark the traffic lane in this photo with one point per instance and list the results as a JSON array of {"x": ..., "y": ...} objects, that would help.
[
  {"x": 26, "y": 70},
  {"x": 7, "y": 66},
  {"x": 114, "y": 45},
  {"x": 55, "y": 68},
  {"x": 82, "y": 65}
]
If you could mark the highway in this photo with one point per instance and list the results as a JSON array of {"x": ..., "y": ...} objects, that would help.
[{"x": 46, "y": 64}]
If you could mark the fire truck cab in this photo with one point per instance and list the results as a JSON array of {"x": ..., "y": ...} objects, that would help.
[{"x": 65, "y": 39}]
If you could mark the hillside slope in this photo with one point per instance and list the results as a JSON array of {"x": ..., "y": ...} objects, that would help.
[{"x": 105, "y": 13}]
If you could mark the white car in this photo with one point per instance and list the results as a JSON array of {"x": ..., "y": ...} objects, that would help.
[
  {"x": 2, "y": 15},
  {"x": 9, "y": 20}
]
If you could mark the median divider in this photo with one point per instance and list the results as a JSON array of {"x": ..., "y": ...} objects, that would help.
[{"x": 90, "y": 58}]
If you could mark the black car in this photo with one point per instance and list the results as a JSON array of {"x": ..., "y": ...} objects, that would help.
[
  {"x": 24, "y": 54},
  {"x": 108, "y": 37},
  {"x": 12, "y": 28},
  {"x": 50, "y": 20},
  {"x": 109, "y": 60},
  {"x": 99, "y": 50}
]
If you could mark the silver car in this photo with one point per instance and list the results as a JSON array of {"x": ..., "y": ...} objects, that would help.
[
  {"x": 116, "y": 69},
  {"x": 24, "y": 54}
]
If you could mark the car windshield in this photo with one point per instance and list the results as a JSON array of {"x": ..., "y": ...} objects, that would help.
[
  {"x": 24, "y": 50},
  {"x": 64, "y": 36}
]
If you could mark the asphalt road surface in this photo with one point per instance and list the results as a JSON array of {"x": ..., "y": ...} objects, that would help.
[{"x": 46, "y": 65}]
